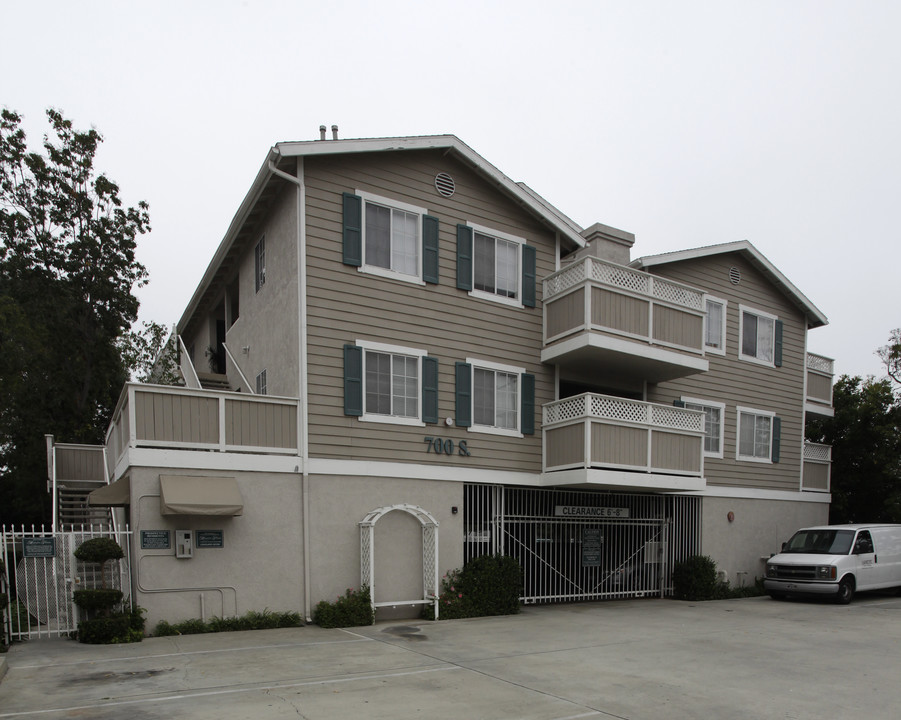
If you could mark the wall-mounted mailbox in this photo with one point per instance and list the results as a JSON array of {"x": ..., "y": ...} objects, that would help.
[{"x": 184, "y": 544}]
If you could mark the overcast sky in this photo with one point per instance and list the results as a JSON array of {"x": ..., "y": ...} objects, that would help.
[{"x": 685, "y": 123}]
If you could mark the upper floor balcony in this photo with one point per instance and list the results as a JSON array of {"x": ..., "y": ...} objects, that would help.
[
  {"x": 632, "y": 323},
  {"x": 592, "y": 439},
  {"x": 179, "y": 418},
  {"x": 820, "y": 371}
]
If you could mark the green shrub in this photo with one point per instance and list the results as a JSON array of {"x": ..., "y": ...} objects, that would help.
[
  {"x": 99, "y": 550},
  {"x": 253, "y": 620},
  {"x": 487, "y": 585},
  {"x": 125, "y": 627},
  {"x": 97, "y": 599},
  {"x": 351, "y": 610},
  {"x": 695, "y": 579}
]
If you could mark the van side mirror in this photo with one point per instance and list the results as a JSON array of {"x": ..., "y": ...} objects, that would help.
[{"x": 783, "y": 546}]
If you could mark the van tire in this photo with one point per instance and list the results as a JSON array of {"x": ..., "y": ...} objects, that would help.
[
  {"x": 777, "y": 595},
  {"x": 845, "y": 591}
]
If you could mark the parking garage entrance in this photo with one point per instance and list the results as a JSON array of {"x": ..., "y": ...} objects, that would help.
[{"x": 583, "y": 545}]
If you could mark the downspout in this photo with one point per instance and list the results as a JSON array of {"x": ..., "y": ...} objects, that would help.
[{"x": 303, "y": 401}]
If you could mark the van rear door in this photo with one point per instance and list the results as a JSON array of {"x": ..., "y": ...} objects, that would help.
[{"x": 866, "y": 560}]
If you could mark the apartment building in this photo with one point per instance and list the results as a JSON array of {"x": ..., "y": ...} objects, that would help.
[{"x": 399, "y": 359}]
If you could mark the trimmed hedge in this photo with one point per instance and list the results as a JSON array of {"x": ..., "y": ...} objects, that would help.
[
  {"x": 252, "y": 620},
  {"x": 351, "y": 610},
  {"x": 487, "y": 585},
  {"x": 695, "y": 578},
  {"x": 99, "y": 550},
  {"x": 119, "y": 628},
  {"x": 97, "y": 599}
]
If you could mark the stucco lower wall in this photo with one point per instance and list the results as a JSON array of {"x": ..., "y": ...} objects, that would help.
[
  {"x": 259, "y": 566},
  {"x": 340, "y": 503},
  {"x": 758, "y": 529}
]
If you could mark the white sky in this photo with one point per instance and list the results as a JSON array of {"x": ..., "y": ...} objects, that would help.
[{"x": 687, "y": 123}]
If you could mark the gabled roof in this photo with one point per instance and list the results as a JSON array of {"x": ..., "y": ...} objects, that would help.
[
  {"x": 815, "y": 318},
  {"x": 452, "y": 145}
]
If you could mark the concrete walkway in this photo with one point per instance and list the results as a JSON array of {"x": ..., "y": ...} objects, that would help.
[{"x": 753, "y": 658}]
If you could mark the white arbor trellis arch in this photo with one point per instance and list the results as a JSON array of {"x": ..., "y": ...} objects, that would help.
[{"x": 429, "y": 555}]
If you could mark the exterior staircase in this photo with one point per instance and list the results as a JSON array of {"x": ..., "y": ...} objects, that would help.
[
  {"x": 214, "y": 381},
  {"x": 73, "y": 510}
]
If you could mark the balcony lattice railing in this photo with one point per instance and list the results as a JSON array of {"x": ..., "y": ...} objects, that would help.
[
  {"x": 603, "y": 431},
  {"x": 622, "y": 278}
]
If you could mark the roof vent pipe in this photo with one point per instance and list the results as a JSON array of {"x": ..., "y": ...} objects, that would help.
[
  {"x": 322, "y": 132},
  {"x": 334, "y": 132}
]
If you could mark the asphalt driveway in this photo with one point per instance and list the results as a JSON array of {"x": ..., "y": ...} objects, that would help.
[{"x": 751, "y": 658}]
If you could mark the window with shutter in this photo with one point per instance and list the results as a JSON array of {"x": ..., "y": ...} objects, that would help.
[{"x": 496, "y": 266}]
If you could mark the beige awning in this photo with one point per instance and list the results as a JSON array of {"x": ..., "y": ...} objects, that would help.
[
  {"x": 194, "y": 495},
  {"x": 115, "y": 494}
]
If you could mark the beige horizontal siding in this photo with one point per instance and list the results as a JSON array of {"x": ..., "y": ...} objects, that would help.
[
  {"x": 742, "y": 383},
  {"x": 445, "y": 322}
]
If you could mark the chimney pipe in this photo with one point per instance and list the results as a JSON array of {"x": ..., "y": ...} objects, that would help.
[
  {"x": 334, "y": 132},
  {"x": 322, "y": 132}
]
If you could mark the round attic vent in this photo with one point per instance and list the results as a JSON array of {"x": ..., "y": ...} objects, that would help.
[
  {"x": 734, "y": 275},
  {"x": 444, "y": 184}
]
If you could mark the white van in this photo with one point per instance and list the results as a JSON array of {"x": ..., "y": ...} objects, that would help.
[{"x": 836, "y": 560}]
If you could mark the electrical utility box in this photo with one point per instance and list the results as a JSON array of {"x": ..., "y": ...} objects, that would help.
[{"x": 184, "y": 544}]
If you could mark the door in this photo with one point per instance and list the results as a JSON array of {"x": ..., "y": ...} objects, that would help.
[{"x": 866, "y": 560}]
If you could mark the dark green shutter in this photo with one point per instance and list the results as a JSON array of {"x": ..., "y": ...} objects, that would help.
[
  {"x": 464, "y": 257},
  {"x": 430, "y": 390},
  {"x": 430, "y": 249},
  {"x": 777, "y": 432},
  {"x": 528, "y": 404},
  {"x": 528, "y": 276},
  {"x": 679, "y": 403},
  {"x": 353, "y": 230},
  {"x": 463, "y": 394},
  {"x": 777, "y": 345},
  {"x": 353, "y": 380}
]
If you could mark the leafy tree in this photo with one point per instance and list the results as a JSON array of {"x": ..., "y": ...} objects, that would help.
[
  {"x": 891, "y": 355},
  {"x": 865, "y": 435},
  {"x": 67, "y": 274}
]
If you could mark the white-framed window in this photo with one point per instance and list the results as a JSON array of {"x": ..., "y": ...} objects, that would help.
[
  {"x": 392, "y": 237},
  {"x": 496, "y": 265},
  {"x": 714, "y": 412},
  {"x": 755, "y": 435},
  {"x": 259, "y": 264},
  {"x": 757, "y": 336},
  {"x": 715, "y": 325},
  {"x": 391, "y": 383},
  {"x": 261, "y": 383},
  {"x": 495, "y": 397}
]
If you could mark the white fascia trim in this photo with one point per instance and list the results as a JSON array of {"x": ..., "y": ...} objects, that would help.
[
  {"x": 415, "y": 471},
  {"x": 393, "y": 349},
  {"x": 201, "y": 460},
  {"x": 742, "y": 246},
  {"x": 627, "y": 347},
  {"x": 743, "y": 493},
  {"x": 623, "y": 480},
  {"x": 814, "y": 409}
]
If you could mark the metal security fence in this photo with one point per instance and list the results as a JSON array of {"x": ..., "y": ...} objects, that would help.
[
  {"x": 41, "y": 572},
  {"x": 583, "y": 545}
]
